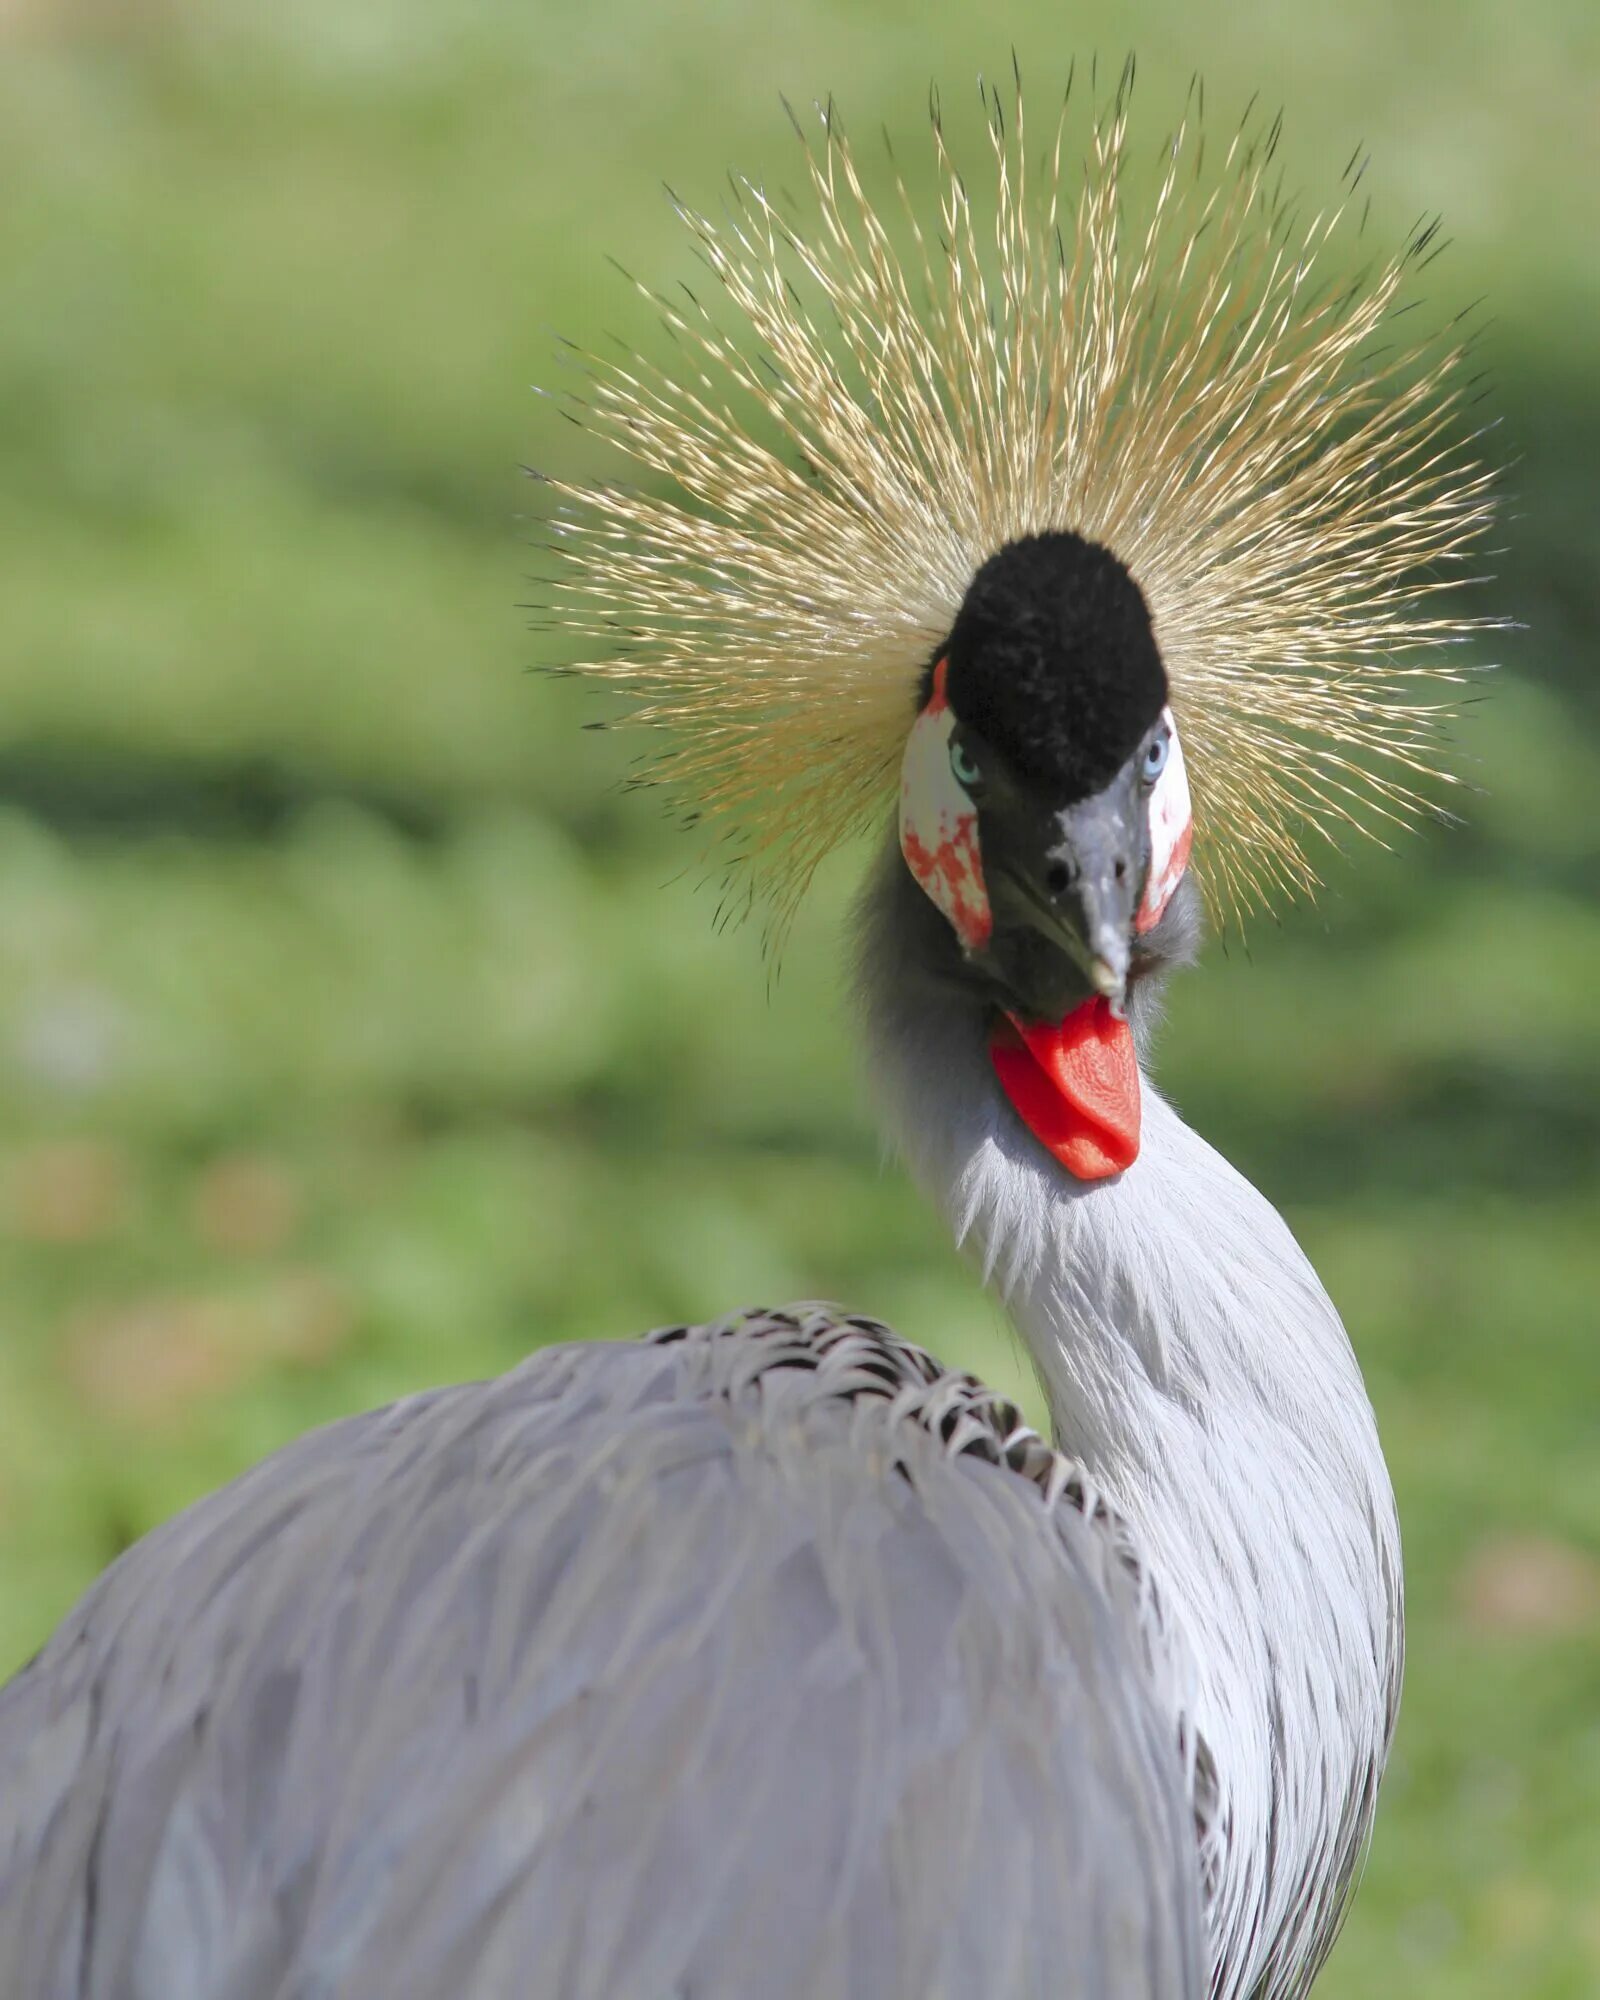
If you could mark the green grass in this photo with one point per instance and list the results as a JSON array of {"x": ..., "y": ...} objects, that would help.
[{"x": 356, "y": 1034}]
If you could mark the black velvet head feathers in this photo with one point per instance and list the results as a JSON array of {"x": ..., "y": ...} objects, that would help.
[{"x": 1052, "y": 660}]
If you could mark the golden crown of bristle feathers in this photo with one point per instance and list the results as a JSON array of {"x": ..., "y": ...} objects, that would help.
[{"x": 1277, "y": 470}]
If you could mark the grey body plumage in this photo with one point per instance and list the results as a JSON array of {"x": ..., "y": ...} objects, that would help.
[
  {"x": 767, "y": 1644},
  {"x": 763, "y": 1658}
]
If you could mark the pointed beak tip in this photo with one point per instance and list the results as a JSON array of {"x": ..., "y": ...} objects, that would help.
[{"x": 1109, "y": 980}]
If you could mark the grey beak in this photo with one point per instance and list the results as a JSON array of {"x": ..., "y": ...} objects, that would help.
[
  {"x": 1095, "y": 876},
  {"x": 1064, "y": 883}
]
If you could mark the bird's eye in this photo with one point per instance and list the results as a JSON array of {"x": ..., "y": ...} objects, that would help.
[
  {"x": 1155, "y": 758},
  {"x": 963, "y": 766}
]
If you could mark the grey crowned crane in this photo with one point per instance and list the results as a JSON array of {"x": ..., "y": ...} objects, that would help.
[{"x": 768, "y": 1659}]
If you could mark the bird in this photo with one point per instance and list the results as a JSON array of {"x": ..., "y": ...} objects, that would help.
[{"x": 1082, "y": 545}]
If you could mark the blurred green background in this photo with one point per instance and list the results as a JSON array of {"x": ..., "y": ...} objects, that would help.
[{"x": 356, "y": 1034}]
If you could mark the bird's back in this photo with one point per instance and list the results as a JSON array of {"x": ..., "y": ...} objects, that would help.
[{"x": 756, "y": 1659}]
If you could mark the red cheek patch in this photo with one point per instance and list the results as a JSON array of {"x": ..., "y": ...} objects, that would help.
[
  {"x": 951, "y": 874},
  {"x": 939, "y": 824},
  {"x": 1075, "y": 1085}
]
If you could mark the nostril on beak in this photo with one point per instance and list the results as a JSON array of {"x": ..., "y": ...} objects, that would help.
[{"x": 1122, "y": 867}]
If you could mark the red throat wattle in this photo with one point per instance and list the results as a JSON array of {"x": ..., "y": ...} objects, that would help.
[{"x": 1075, "y": 1085}]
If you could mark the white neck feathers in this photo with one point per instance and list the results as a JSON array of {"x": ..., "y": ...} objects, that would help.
[{"x": 1192, "y": 1360}]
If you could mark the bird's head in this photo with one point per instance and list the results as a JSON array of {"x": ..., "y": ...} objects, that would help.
[
  {"x": 1045, "y": 813},
  {"x": 1060, "y": 520},
  {"x": 1044, "y": 806}
]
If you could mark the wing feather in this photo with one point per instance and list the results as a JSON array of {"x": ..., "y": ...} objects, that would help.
[{"x": 635, "y": 1672}]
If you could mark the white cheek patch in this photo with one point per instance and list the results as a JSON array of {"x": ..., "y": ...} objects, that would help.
[
  {"x": 939, "y": 824},
  {"x": 1171, "y": 833}
]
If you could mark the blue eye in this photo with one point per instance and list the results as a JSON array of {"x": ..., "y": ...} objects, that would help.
[
  {"x": 1155, "y": 757},
  {"x": 964, "y": 770}
]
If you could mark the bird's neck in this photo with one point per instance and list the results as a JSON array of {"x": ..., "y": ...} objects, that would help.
[{"x": 1193, "y": 1362}]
